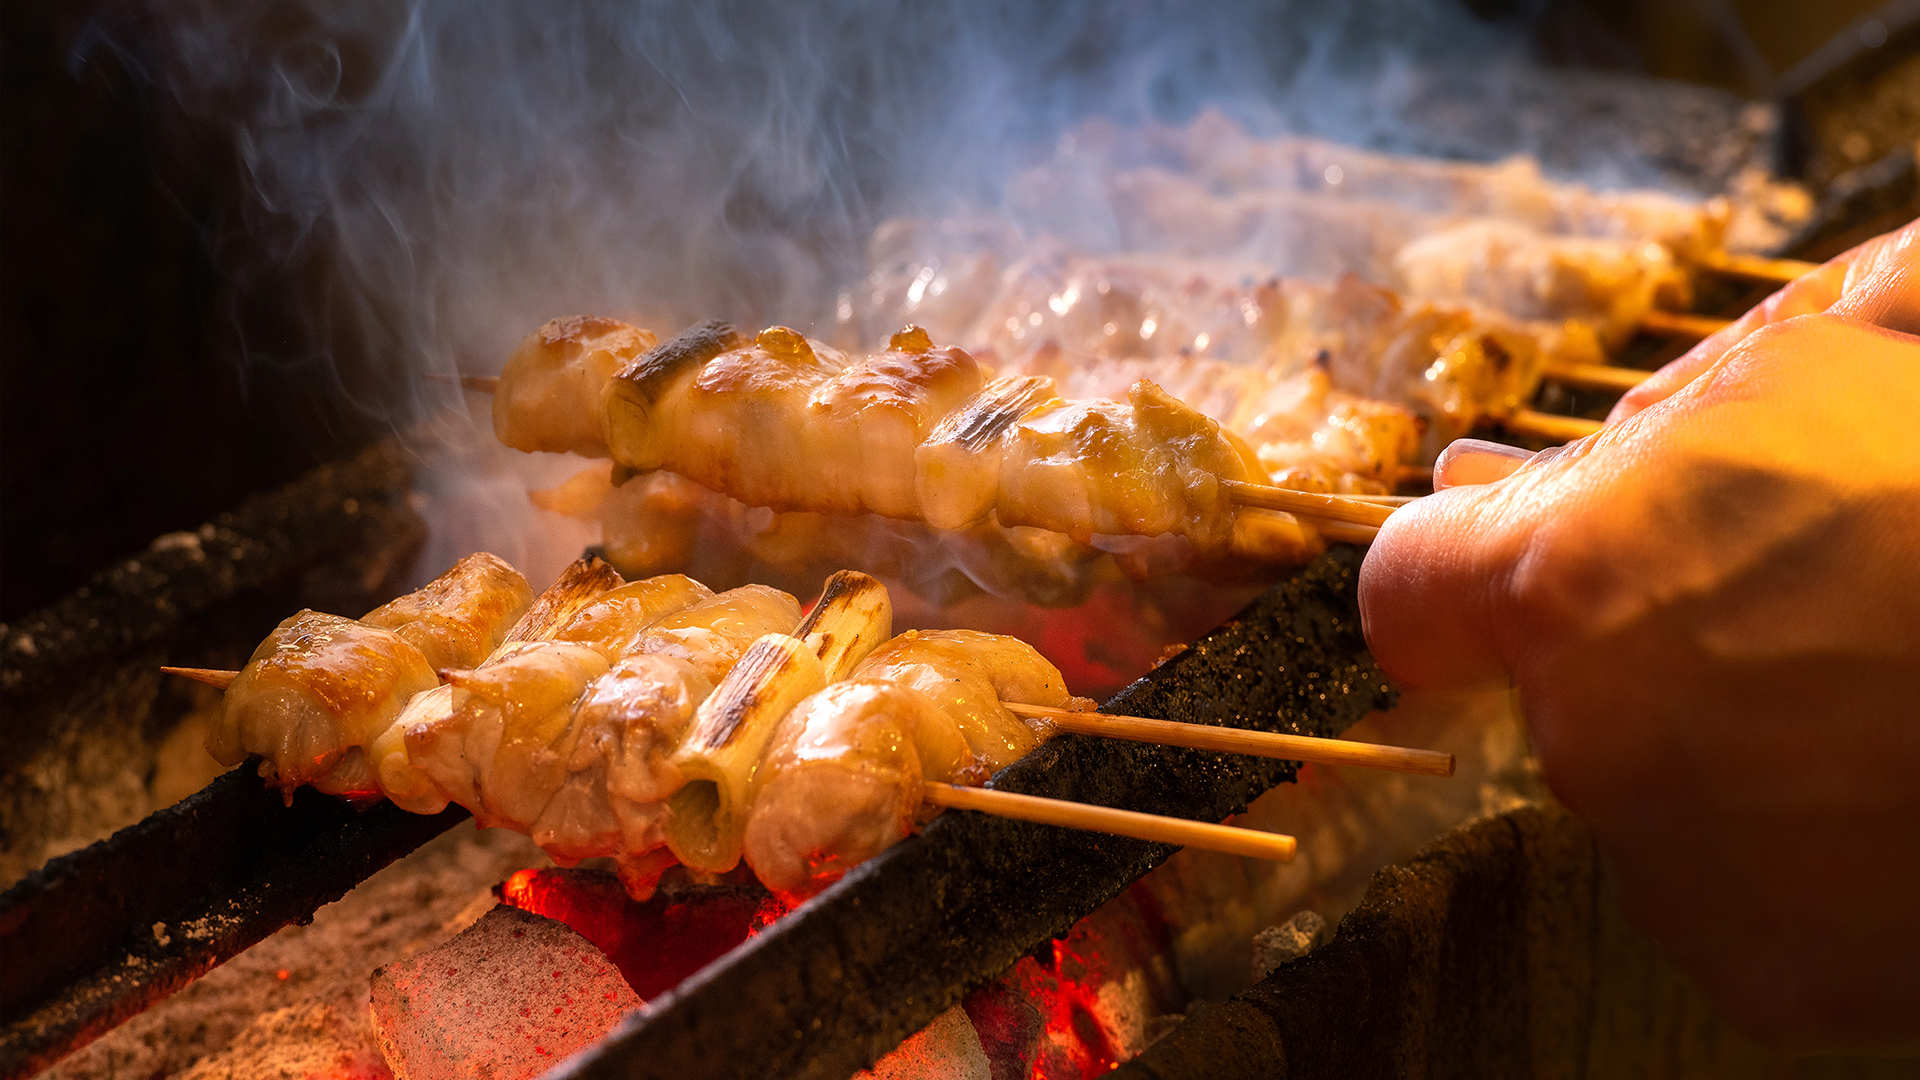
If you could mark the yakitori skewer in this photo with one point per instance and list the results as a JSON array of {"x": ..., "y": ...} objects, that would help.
[
  {"x": 1210, "y": 837},
  {"x": 1358, "y": 510},
  {"x": 1166, "y": 732},
  {"x": 1166, "y": 830},
  {"x": 1242, "y": 741}
]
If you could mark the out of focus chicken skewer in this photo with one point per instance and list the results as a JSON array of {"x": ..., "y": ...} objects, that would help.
[{"x": 760, "y": 422}]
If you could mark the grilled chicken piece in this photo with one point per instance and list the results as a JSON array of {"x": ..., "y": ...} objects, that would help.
[
  {"x": 843, "y": 783},
  {"x": 1312, "y": 437},
  {"x": 460, "y": 616},
  {"x": 1144, "y": 466},
  {"x": 549, "y": 397},
  {"x": 1451, "y": 365},
  {"x": 790, "y": 423},
  {"x": 499, "y": 751},
  {"x": 321, "y": 689},
  {"x": 618, "y": 749},
  {"x": 313, "y": 697},
  {"x": 843, "y": 776},
  {"x": 712, "y": 634},
  {"x": 968, "y": 674},
  {"x": 1608, "y": 284},
  {"x": 866, "y": 422},
  {"x": 613, "y": 621},
  {"x": 689, "y": 405}
]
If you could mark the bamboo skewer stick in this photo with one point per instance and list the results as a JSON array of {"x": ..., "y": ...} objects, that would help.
[
  {"x": 1242, "y": 741},
  {"x": 1675, "y": 324},
  {"x": 1549, "y": 426},
  {"x": 1596, "y": 376},
  {"x": 1345, "y": 532},
  {"x": 215, "y": 677},
  {"x": 1756, "y": 268},
  {"x": 1307, "y": 503},
  {"x": 1164, "y": 830}
]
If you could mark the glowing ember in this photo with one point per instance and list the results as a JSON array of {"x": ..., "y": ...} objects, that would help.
[{"x": 655, "y": 943}]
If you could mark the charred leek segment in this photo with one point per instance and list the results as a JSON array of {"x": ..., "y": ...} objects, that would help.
[
  {"x": 582, "y": 582},
  {"x": 853, "y": 617},
  {"x": 631, "y": 424},
  {"x": 957, "y": 469},
  {"x": 719, "y": 757}
]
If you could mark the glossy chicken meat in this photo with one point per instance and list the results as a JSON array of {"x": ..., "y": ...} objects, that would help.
[
  {"x": 726, "y": 728},
  {"x": 321, "y": 688},
  {"x": 460, "y": 617},
  {"x": 844, "y": 774},
  {"x": 549, "y": 396}
]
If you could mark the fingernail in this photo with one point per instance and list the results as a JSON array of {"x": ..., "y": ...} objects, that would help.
[{"x": 1476, "y": 461}]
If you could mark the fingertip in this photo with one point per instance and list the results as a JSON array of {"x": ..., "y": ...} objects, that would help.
[{"x": 1467, "y": 462}]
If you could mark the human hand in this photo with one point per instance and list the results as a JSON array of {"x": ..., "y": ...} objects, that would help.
[{"x": 1711, "y": 610}]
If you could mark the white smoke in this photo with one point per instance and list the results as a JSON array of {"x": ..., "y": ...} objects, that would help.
[{"x": 442, "y": 176}]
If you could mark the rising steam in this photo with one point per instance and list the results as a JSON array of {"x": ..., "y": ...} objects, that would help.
[{"x": 443, "y": 177}]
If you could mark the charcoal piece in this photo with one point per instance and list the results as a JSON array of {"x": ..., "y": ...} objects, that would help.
[
  {"x": 505, "y": 999},
  {"x": 828, "y": 989}
]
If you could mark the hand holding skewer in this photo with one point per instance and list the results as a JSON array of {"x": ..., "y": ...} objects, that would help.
[{"x": 1712, "y": 617}]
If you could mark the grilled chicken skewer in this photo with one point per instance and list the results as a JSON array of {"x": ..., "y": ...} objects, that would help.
[
  {"x": 1148, "y": 465},
  {"x": 601, "y": 733}
]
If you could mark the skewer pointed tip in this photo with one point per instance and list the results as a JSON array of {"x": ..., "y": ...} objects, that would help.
[{"x": 215, "y": 677}]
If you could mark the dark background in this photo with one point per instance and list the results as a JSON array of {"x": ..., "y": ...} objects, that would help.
[{"x": 147, "y": 384}]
